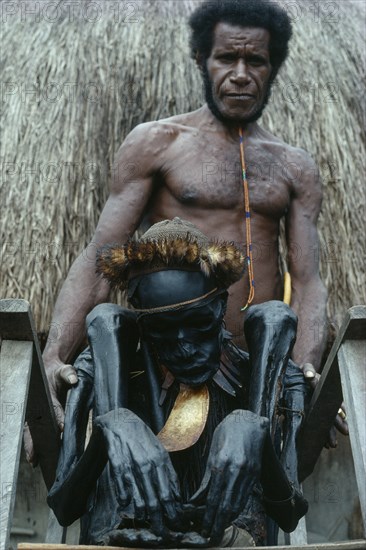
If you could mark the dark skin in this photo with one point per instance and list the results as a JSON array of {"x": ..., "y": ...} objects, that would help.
[
  {"x": 189, "y": 166},
  {"x": 144, "y": 477},
  {"x": 188, "y": 342}
]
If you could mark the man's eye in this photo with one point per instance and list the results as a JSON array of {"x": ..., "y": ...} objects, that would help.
[
  {"x": 256, "y": 61},
  {"x": 226, "y": 57}
]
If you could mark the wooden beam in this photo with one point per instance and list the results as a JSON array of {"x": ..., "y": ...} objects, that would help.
[
  {"x": 16, "y": 323},
  {"x": 352, "y": 366},
  {"x": 349, "y": 545},
  {"x": 15, "y": 358},
  {"x": 327, "y": 396}
]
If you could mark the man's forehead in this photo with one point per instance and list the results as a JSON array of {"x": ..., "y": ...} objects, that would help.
[
  {"x": 226, "y": 35},
  {"x": 209, "y": 309}
]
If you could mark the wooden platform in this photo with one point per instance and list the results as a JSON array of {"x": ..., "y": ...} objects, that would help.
[
  {"x": 343, "y": 376},
  {"x": 349, "y": 545}
]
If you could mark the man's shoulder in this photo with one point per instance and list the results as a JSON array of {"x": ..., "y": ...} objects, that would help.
[
  {"x": 297, "y": 164},
  {"x": 288, "y": 152},
  {"x": 170, "y": 126},
  {"x": 152, "y": 141}
]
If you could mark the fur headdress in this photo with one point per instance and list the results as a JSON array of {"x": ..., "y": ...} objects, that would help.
[{"x": 171, "y": 244}]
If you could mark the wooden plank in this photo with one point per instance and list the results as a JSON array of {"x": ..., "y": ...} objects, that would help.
[
  {"x": 327, "y": 395},
  {"x": 15, "y": 368},
  {"x": 16, "y": 323},
  {"x": 354, "y": 324},
  {"x": 349, "y": 545},
  {"x": 352, "y": 366}
]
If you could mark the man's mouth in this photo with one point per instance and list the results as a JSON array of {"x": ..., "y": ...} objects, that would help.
[{"x": 240, "y": 96}]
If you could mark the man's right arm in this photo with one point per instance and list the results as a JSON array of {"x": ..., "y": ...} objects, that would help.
[{"x": 132, "y": 185}]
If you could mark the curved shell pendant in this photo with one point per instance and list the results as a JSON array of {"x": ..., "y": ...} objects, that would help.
[{"x": 187, "y": 419}]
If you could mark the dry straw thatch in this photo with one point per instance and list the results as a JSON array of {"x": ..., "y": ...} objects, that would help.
[{"x": 98, "y": 71}]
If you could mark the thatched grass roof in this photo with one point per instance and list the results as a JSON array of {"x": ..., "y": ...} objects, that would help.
[{"x": 73, "y": 87}]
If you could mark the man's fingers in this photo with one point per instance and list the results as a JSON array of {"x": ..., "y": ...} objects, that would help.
[
  {"x": 341, "y": 420},
  {"x": 222, "y": 520},
  {"x": 193, "y": 540},
  {"x": 341, "y": 424},
  {"x": 137, "y": 496},
  {"x": 200, "y": 495},
  {"x": 156, "y": 519},
  {"x": 60, "y": 377},
  {"x": 59, "y": 411},
  {"x": 213, "y": 500},
  {"x": 131, "y": 537},
  {"x": 146, "y": 538},
  {"x": 230, "y": 503},
  {"x": 308, "y": 370},
  {"x": 310, "y": 374},
  {"x": 166, "y": 472},
  {"x": 173, "y": 515},
  {"x": 68, "y": 374},
  {"x": 153, "y": 509},
  {"x": 151, "y": 494},
  {"x": 332, "y": 440},
  {"x": 28, "y": 446},
  {"x": 122, "y": 480},
  {"x": 122, "y": 475},
  {"x": 169, "y": 497}
]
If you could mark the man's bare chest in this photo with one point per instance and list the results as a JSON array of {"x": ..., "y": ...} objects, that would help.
[{"x": 209, "y": 176}]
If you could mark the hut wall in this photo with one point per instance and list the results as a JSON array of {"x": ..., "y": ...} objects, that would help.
[
  {"x": 75, "y": 82},
  {"x": 77, "y": 77}
]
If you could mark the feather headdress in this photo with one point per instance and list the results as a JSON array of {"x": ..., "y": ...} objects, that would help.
[{"x": 171, "y": 244}]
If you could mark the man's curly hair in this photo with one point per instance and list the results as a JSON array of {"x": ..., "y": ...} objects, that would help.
[{"x": 247, "y": 13}]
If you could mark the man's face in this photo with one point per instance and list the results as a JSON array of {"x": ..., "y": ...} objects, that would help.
[
  {"x": 237, "y": 73},
  {"x": 188, "y": 342}
]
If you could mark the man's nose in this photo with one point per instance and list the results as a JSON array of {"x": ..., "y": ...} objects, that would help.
[{"x": 240, "y": 74}]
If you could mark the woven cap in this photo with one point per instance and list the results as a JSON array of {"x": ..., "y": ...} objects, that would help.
[
  {"x": 175, "y": 229},
  {"x": 171, "y": 244}
]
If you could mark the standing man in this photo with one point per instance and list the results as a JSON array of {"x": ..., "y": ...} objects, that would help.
[{"x": 191, "y": 166}]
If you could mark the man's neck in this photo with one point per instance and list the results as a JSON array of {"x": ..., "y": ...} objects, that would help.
[{"x": 231, "y": 129}]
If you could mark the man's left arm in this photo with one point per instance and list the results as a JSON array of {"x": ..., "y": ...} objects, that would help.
[{"x": 309, "y": 295}]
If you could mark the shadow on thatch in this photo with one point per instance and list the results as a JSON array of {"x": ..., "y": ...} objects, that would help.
[{"x": 75, "y": 84}]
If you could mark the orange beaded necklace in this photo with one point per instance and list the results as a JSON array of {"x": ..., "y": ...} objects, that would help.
[{"x": 249, "y": 247}]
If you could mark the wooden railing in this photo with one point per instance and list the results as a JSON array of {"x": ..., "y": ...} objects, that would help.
[{"x": 25, "y": 397}]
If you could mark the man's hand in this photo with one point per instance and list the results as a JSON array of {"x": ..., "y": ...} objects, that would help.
[
  {"x": 340, "y": 423},
  {"x": 148, "y": 539},
  {"x": 233, "y": 467},
  {"x": 60, "y": 377},
  {"x": 142, "y": 471},
  {"x": 29, "y": 447}
]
